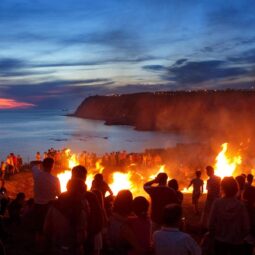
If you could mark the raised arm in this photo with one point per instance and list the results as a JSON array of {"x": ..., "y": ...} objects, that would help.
[{"x": 147, "y": 186}]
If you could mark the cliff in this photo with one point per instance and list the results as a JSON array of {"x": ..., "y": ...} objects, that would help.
[{"x": 219, "y": 112}]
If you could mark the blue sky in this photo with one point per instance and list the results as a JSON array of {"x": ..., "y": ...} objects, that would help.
[{"x": 55, "y": 53}]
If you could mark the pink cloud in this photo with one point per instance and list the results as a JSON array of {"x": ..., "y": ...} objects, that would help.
[{"x": 6, "y": 103}]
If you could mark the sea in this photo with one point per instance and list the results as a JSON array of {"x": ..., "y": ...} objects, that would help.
[{"x": 26, "y": 131}]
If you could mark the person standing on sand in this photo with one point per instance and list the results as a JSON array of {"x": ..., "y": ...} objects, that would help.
[
  {"x": 95, "y": 220},
  {"x": 46, "y": 189},
  {"x": 213, "y": 192},
  {"x": 197, "y": 184},
  {"x": 160, "y": 195},
  {"x": 229, "y": 221}
]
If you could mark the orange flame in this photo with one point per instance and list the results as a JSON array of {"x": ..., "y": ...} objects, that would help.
[
  {"x": 99, "y": 167},
  {"x": 161, "y": 170},
  {"x": 64, "y": 177},
  {"x": 226, "y": 166},
  {"x": 121, "y": 181}
]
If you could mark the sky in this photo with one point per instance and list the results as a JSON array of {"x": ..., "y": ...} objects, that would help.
[{"x": 53, "y": 53}]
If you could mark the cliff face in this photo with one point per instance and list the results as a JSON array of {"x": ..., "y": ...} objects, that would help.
[{"x": 221, "y": 112}]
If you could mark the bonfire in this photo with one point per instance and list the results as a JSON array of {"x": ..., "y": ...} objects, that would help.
[{"x": 133, "y": 180}]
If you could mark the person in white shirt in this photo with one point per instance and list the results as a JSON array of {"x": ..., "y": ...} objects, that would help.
[
  {"x": 46, "y": 189},
  {"x": 170, "y": 240}
]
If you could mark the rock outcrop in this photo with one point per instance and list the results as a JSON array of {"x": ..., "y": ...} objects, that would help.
[{"x": 230, "y": 112}]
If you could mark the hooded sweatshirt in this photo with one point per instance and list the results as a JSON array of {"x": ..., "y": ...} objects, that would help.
[{"x": 229, "y": 221}]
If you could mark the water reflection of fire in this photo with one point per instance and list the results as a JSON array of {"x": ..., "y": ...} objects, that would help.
[{"x": 133, "y": 180}]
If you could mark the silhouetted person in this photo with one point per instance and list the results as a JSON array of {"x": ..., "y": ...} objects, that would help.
[
  {"x": 175, "y": 186},
  {"x": 99, "y": 184},
  {"x": 122, "y": 208},
  {"x": 4, "y": 200},
  {"x": 46, "y": 189},
  {"x": 249, "y": 201},
  {"x": 98, "y": 239},
  {"x": 66, "y": 223},
  {"x": 160, "y": 195},
  {"x": 213, "y": 192},
  {"x": 249, "y": 182},
  {"x": 170, "y": 240},
  {"x": 240, "y": 179},
  {"x": 198, "y": 189},
  {"x": 95, "y": 223},
  {"x": 15, "y": 208},
  {"x": 138, "y": 228},
  {"x": 229, "y": 222}
]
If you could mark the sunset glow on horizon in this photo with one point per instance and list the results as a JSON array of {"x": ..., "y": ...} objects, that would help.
[{"x": 7, "y": 103}]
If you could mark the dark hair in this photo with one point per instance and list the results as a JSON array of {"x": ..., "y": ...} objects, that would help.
[
  {"x": 172, "y": 214},
  {"x": 162, "y": 178},
  {"x": 140, "y": 206},
  {"x": 48, "y": 164},
  {"x": 173, "y": 184},
  {"x": 198, "y": 173},
  {"x": 98, "y": 177},
  {"x": 20, "y": 195},
  {"x": 123, "y": 203},
  {"x": 209, "y": 170},
  {"x": 229, "y": 186},
  {"x": 249, "y": 178},
  {"x": 76, "y": 186},
  {"x": 79, "y": 172}
]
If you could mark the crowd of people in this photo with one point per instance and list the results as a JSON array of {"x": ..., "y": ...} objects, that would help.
[
  {"x": 11, "y": 165},
  {"x": 112, "y": 159},
  {"x": 81, "y": 221}
]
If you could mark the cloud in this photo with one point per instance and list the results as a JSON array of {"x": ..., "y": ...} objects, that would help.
[
  {"x": 181, "y": 61},
  {"x": 202, "y": 71},
  {"x": 247, "y": 57},
  {"x": 103, "y": 61},
  {"x": 237, "y": 15},
  {"x": 12, "y": 67},
  {"x": 9, "y": 64},
  {"x": 55, "y": 93},
  {"x": 154, "y": 67},
  {"x": 7, "y": 103},
  {"x": 207, "y": 49}
]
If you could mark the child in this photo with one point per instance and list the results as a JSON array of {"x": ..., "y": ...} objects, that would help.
[
  {"x": 99, "y": 184},
  {"x": 170, "y": 240},
  {"x": 197, "y": 190}
]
